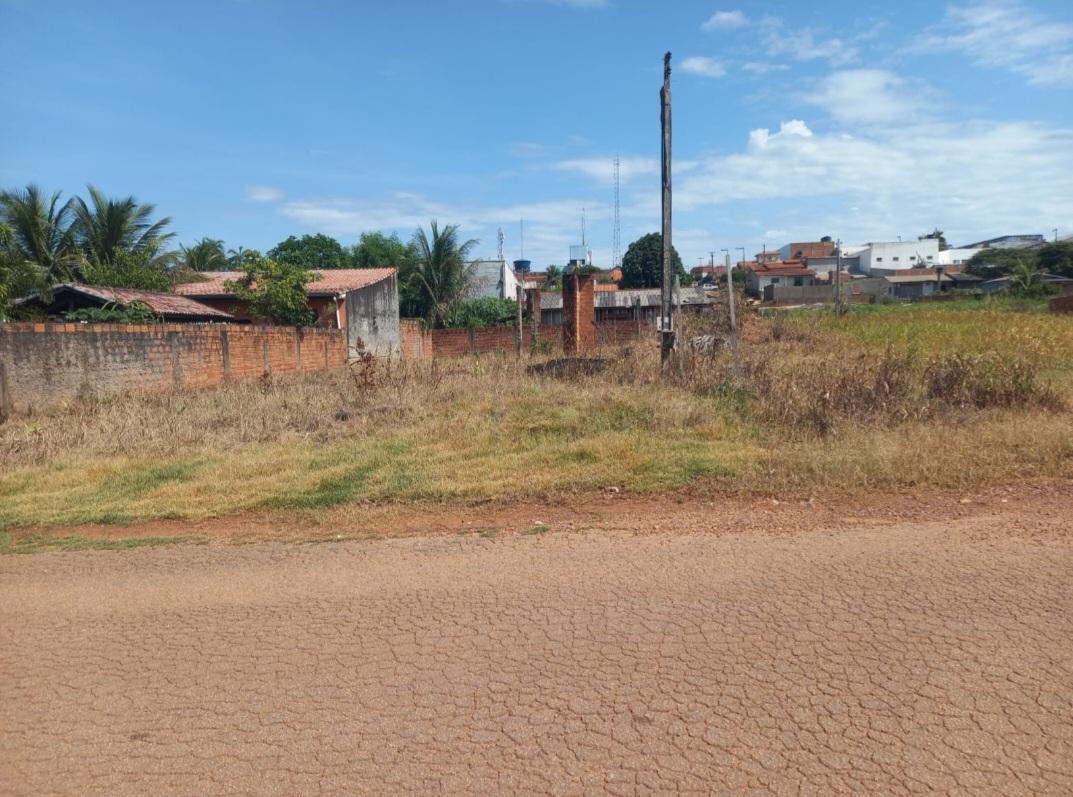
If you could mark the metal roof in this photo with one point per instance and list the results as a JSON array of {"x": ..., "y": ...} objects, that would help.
[
  {"x": 164, "y": 304},
  {"x": 328, "y": 281},
  {"x": 650, "y": 297}
]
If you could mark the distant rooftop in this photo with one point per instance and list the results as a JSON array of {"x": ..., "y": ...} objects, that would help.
[{"x": 327, "y": 282}]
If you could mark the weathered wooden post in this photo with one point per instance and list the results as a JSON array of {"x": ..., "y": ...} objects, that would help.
[{"x": 666, "y": 322}]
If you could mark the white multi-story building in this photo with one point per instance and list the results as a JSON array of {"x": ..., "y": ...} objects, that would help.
[
  {"x": 884, "y": 257},
  {"x": 956, "y": 257}
]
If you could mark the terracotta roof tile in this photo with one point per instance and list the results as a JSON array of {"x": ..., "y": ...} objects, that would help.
[
  {"x": 333, "y": 281},
  {"x": 166, "y": 304}
]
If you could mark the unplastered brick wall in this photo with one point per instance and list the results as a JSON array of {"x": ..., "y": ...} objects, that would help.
[
  {"x": 415, "y": 342},
  {"x": 483, "y": 340},
  {"x": 42, "y": 365},
  {"x": 456, "y": 342}
]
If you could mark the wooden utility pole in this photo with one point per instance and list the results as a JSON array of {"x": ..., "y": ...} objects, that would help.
[
  {"x": 666, "y": 322},
  {"x": 838, "y": 279},
  {"x": 520, "y": 295},
  {"x": 730, "y": 302}
]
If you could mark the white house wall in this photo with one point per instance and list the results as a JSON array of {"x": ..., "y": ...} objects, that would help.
[{"x": 899, "y": 255}]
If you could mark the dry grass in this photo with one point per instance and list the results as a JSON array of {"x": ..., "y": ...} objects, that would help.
[{"x": 944, "y": 398}]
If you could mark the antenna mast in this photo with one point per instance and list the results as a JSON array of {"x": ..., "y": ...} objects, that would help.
[{"x": 583, "y": 226}]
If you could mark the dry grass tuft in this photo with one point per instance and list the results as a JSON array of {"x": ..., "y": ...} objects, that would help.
[{"x": 947, "y": 398}]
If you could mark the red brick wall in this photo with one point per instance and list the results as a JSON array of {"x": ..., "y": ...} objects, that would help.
[
  {"x": 579, "y": 335},
  {"x": 456, "y": 342},
  {"x": 1062, "y": 304},
  {"x": 415, "y": 341},
  {"x": 44, "y": 364}
]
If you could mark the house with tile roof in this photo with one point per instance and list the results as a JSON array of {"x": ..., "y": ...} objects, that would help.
[
  {"x": 70, "y": 296},
  {"x": 759, "y": 275},
  {"x": 364, "y": 302}
]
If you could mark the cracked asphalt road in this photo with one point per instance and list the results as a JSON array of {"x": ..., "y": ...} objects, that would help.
[{"x": 914, "y": 658}]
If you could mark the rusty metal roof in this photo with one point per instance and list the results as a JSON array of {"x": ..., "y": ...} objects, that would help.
[
  {"x": 164, "y": 304},
  {"x": 328, "y": 281}
]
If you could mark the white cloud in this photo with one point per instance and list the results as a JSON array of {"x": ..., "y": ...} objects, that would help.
[
  {"x": 550, "y": 227},
  {"x": 722, "y": 20},
  {"x": 263, "y": 193},
  {"x": 706, "y": 67},
  {"x": 898, "y": 179},
  {"x": 763, "y": 67},
  {"x": 805, "y": 44},
  {"x": 762, "y": 137},
  {"x": 1005, "y": 35},
  {"x": 870, "y": 96},
  {"x": 602, "y": 170}
]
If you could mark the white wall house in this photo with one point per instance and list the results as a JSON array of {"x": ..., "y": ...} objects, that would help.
[
  {"x": 956, "y": 257},
  {"x": 890, "y": 256},
  {"x": 494, "y": 279}
]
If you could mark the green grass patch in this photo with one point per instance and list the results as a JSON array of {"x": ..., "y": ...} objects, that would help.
[{"x": 40, "y": 543}]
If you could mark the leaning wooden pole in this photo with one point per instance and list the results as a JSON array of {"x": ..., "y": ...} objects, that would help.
[{"x": 666, "y": 320}]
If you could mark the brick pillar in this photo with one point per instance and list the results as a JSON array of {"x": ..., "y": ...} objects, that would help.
[
  {"x": 532, "y": 314},
  {"x": 579, "y": 314}
]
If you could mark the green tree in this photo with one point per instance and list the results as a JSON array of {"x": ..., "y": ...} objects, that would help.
[
  {"x": 18, "y": 276},
  {"x": 106, "y": 227},
  {"x": 488, "y": 311},
  {"x": 1056, "y": 258},
  {"x": 312, "y": 252},
  {"x": 554, "y": 281},
  {"x": 579, "y": 270},
  {"x": 140, "y": 269},
  {"x": 992, "y": 263},
  {"x": 114, "y": 313},
  {"x": 442, "y": 276},
  {"x": 205, "y": 255},
  {"x": 936, "y": 234},
  {"x": 274, "y": 291},
  {"x": 41, "y": 234},
  {"x": 376, "y": 250},
  {"x": 234, "y": 257},
  {"x": 642, "y": 265},
  {"x": 1026, "y": 280}
]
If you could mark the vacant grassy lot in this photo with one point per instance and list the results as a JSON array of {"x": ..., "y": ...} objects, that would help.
[{"x": 942, "y": 396}]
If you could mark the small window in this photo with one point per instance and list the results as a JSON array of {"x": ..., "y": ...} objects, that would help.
[
  {"x": 879, "y": 260},
  {"x": 912, "y": 257},
  {"x": 930, "y": 257},
  {"x": 896, "y": 259},
  {"x": 774, "y": 280}
]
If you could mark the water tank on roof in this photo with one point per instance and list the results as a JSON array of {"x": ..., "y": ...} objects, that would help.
[{"x": 522, "y": 265}]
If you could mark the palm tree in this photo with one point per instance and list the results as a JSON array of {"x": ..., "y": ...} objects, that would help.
[
  {"x": 235, "y": 257},
  {"x": 1027, "y": 280},
  {"x": 111, "y": 226},
  {"x": 206, "y": 255},
  {"x": 442, "y": 275},
  {"x": 41, "y": 232},
  {"x": 18, "y": 276}
]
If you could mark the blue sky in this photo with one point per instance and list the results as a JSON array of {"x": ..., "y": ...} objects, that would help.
[{"x": 252, "y": 120}]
